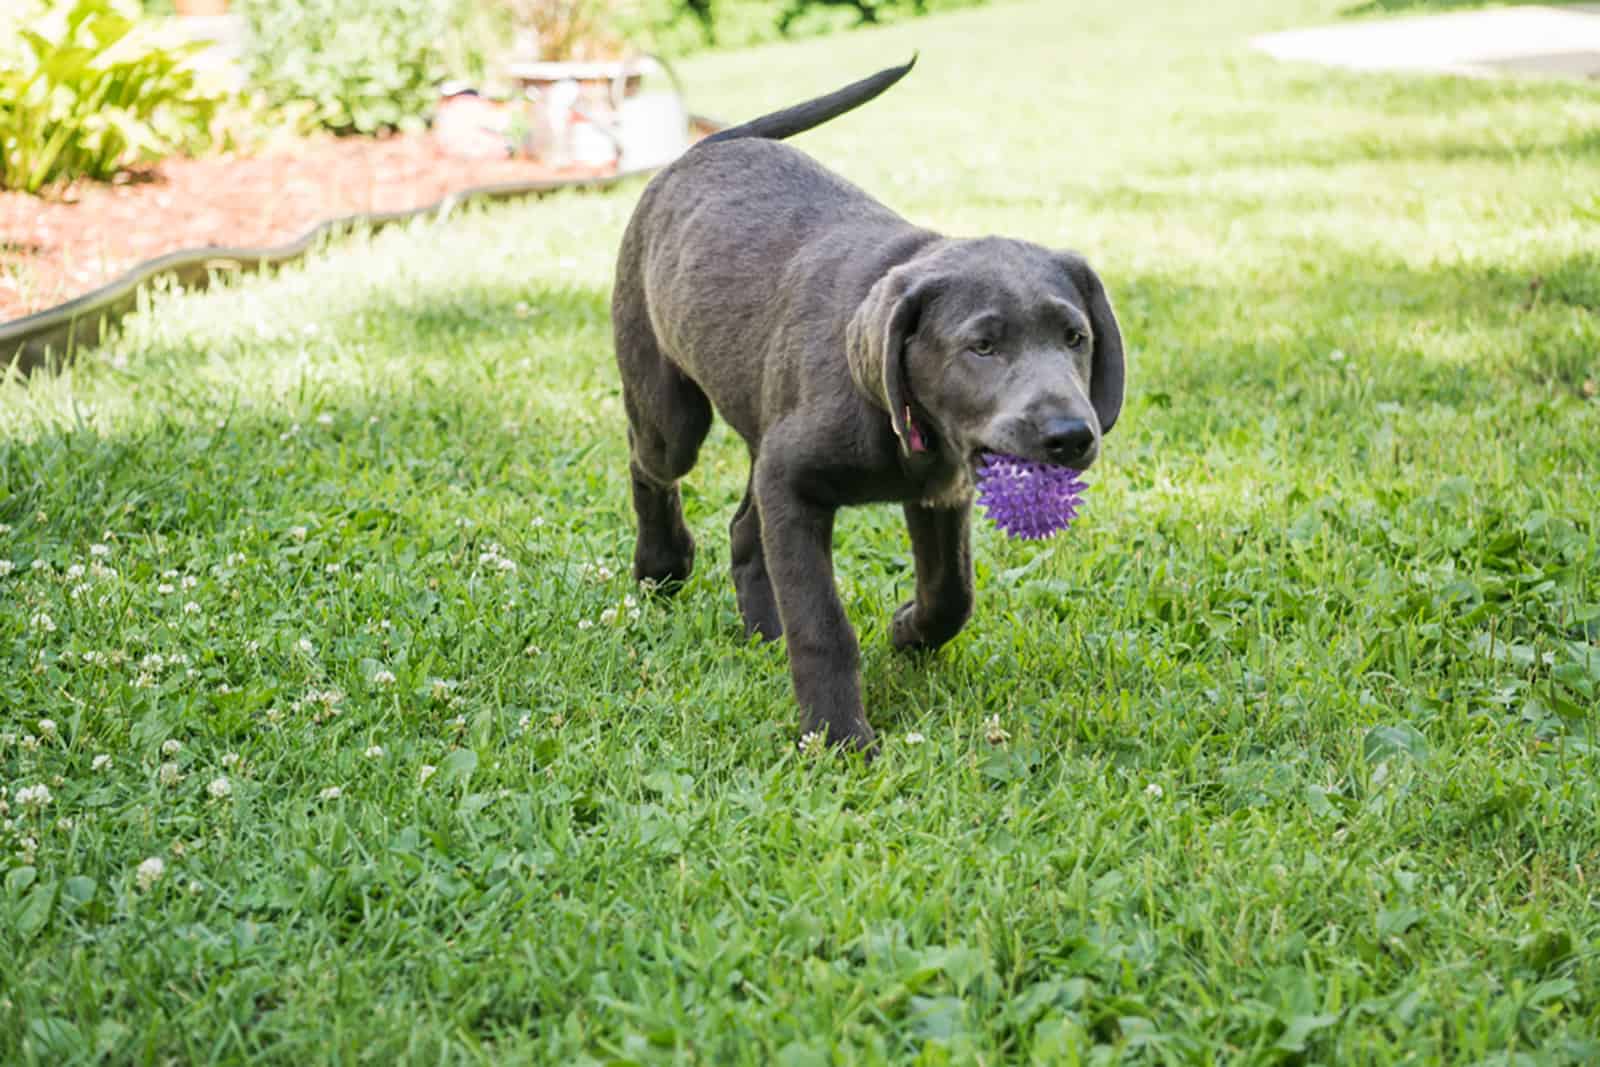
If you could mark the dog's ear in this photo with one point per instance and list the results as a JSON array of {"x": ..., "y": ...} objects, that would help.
[
  {"x": 875, "y": 345},
  {"x": 1106, "y": 372}
]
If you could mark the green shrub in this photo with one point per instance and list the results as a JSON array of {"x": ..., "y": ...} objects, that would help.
[
  {"x": 675, "y": 27},
  {"x": 81, "y": 95},
  {"x": 366, "y": 65}
]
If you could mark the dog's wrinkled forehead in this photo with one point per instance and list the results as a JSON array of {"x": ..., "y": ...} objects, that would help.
[{"x": 1019, "y": 282}]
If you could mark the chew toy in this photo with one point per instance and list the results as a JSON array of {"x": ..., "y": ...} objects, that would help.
[{"x": 1027, "y": 499}]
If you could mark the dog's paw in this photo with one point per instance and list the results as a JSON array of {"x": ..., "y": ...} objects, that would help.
[
  {"x": 855, "y": 739},
  {"x": 910, "y": 631},
  {"x": 903, "y": 632}
]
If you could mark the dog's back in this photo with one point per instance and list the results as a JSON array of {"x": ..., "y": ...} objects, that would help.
[{"x": 735, "y": 207}]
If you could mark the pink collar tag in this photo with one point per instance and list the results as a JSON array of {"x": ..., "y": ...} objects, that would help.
[{"x": 917, "y": 443}]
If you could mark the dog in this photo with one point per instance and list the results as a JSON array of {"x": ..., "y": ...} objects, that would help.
[{"x": 863, "y": 360}]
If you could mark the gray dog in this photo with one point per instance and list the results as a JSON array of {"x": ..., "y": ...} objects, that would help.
[{"x": 862, "y": 359}]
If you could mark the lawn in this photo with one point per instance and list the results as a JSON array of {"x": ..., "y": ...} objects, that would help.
[{"x": 334, "y": 731}]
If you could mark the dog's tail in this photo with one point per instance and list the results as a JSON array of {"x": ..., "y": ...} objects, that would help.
[{"x": 802, "y": 117}]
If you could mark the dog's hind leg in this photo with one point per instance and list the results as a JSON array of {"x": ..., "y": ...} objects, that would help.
[
  {"x": 757, "y": 605},
  {"x": 668, "y": 418}
]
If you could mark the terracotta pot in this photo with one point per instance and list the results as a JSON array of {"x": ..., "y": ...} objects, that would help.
[{"x": 201, "y": 7}]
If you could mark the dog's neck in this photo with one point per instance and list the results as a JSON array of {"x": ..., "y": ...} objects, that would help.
[{"x": 942, "y": 480}]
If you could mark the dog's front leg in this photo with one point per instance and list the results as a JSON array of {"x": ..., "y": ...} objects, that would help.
[
  {"x": 824, "y": 658},
  {"x": 941, "y": 544}
]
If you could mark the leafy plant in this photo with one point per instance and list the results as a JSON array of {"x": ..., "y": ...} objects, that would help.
[
  {"x": 568, "y": 29},
  {"x": 366, "y": 65},
  {"x": 85, "y": 95}
]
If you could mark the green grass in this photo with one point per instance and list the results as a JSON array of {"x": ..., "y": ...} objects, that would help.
[{"x": 1301, "y": 764}]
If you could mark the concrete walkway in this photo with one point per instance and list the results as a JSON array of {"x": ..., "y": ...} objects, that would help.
[{"x": 1554, "y": 41}]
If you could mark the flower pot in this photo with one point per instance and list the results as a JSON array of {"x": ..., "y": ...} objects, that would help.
[{"x": 595, "y": 112}]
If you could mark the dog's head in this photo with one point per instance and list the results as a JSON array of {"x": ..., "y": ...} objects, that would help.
[{"x": 992, "y": 345}]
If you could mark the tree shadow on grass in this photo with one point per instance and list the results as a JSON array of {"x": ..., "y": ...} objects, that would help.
[{"x": 513, "y": 416}]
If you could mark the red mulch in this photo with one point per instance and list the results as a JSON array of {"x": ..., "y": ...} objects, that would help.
[{"x": 61, "y": 246}]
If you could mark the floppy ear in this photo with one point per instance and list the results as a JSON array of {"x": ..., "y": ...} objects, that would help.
[
  {"x": 875, "y": 345},
  {"x": 1106, "y": 371}
]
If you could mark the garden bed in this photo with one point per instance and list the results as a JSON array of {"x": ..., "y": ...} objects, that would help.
[
  {"x": 95, "y": 245},
  {"x": 57, "y": 248}
]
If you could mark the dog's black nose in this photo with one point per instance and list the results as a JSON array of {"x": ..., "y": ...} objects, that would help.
[{"x": 1066, "y": 439}]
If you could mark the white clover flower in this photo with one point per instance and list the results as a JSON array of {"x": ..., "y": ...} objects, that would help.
[
  {"x": 169, "y": 574},
  {"x": 6, "y": 567},
  {"x": 993, "y": 732},
  {"x": 100, "y": 571},
  {"x": 100, "y": 762},
  {"x": 152, "y": 663},
  {"x": 234, "y": 559},
  {"x": 169, "y": 774},
  {"x": 584, "y": 624},
  {"x": 41, "y": 621},
  {"x": 333, "y": 568},
  {"x": 297, "y": 532},
  {"x": 188, "y": 581},
  {"x": 426, "y": 771},
  {"x": 40, "y": 565},
  {"x": 325, "y": 420},
  {"x": 5, "y": 528},
  {"x": 164, "y": 588},
  {"x": 382, "y": 677},
  {"x": 219, "y": 788},
  {"x": 812, "y": 743},
  {"x": 230, "y": 759},
  {"x": 191, "y": 608},
  {"x": 608, "y": 616},
  {"x": 374, "y": 752},
  {"x": 385, "y": 624},
  {"x": 74, "y": 572},
  {"x": 439, "y": 688},
  {"x": 914, "y": 738},
  {"x": 149, "y": 873},
  {"x": 30, "y": 743},
  {"x": 47, "y": 727},
  {"x": 333, "y": 792},
  {"x": 1153, "y": 791},
  {"x": 100, "y": 550},
  {"x": 305, "y": 647},
  {"x": 538, "y": 521},
  {"x": 171, "y": 746},
  {"x": 34, "y": 796},
  {"x": 522, "y": 723}
]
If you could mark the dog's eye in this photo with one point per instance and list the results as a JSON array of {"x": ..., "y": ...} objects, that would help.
[
  {"x": 1075, "y": 337},
  {"x": 983, "y": 348}
]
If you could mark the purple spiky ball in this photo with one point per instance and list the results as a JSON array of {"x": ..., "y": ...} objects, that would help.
[{"x": 1027, "y": 499}]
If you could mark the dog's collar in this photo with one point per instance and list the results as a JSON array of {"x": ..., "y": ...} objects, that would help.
[{"x": 914, "y": 439}]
